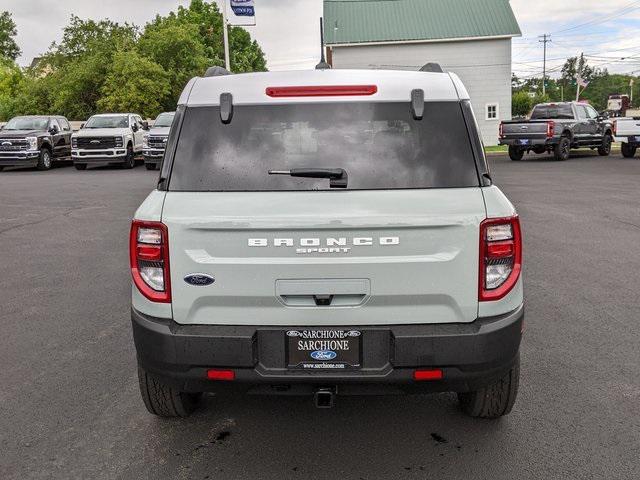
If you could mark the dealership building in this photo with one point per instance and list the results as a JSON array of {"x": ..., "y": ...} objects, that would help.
[{"x": 469, "y": 37}]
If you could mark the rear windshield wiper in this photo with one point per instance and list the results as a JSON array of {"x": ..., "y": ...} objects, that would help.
[{"x": 337, "y": 176}]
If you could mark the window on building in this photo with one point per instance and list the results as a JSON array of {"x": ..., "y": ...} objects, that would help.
[{"x": 492, "y": 111}]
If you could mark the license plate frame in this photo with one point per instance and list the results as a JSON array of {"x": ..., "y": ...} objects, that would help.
[{"x": 323, "y": 349}]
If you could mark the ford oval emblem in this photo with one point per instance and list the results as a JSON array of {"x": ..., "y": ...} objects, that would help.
[
  {"x": 199, "y": 279},
  {"x": 323, "y": 355}
]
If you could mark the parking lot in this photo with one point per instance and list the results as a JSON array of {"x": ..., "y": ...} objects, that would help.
[{"x": 70, "y": 401}]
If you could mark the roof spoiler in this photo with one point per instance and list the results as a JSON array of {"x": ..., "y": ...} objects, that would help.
[
  {"x": 216, "y": 72},
  {"x": 432, "y": 67}
]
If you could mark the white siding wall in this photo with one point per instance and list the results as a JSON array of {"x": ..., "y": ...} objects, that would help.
[{"x": 483, "y": 65}]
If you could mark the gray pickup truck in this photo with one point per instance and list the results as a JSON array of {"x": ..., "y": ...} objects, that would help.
[{"x": 557, "y": 128}]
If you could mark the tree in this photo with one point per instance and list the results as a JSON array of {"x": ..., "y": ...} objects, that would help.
[
  {"x": 134, "y": 84},
  {"x": 8, "y": 47},
  {"x": 521, "y": 104},
  {"x": 179, "y": 51}
]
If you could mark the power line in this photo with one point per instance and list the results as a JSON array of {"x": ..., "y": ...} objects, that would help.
[
  {"x": 623, "y": 11},
  {"x": 545, "y": 39}
]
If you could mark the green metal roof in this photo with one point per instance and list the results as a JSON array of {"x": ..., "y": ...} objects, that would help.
[{"x": 365, "y": 21}]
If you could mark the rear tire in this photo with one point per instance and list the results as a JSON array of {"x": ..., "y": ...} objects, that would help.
[
  {"x": 151, "y": 166},
  {"x": 130, "y": 160},
  {"x": 44, "y": 160},
  {"x": 496, "y": 399},
  {"x": 562, "y": 150},
  {"x": 628, "y": 150},
  {"x": 80, "y": 166},
  {"x": 605, "y": 149},
  {"x": 163, "y": 400},
  {"x": 515, "y": 153}
]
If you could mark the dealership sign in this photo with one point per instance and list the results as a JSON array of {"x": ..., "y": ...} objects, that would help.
[{"x": 243, "y": 8}]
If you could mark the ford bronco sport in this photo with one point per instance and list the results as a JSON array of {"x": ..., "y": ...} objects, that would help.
[{"x": 326, "y": 233}]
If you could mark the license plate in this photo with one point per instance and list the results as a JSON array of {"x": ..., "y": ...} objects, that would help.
[
  {"x": 323, "y": 349},
  {"x": 524, "y": 142}
]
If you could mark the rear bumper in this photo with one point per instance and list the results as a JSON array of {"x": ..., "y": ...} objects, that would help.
[
  {"x": 532, "y": 142},
  {"x": 26, "y": 158},
  {"x": 631, "y": 140},
  {"x": 470, "y": 356}
]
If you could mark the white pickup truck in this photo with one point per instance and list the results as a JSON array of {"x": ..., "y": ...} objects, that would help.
[
  {"x": 627, "y": 131},
  {"x": 114, "y": 138}
]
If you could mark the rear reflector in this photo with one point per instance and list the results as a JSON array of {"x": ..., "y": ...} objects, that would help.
[
  {"x": 427, "y": 375},
  {"x": 322, "y": 91},
  {"x": 221, "y": 375}
]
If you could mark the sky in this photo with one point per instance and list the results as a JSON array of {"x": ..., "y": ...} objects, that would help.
[{"x": 608, "y": 31}]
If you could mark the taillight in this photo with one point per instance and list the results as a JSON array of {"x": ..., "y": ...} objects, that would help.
[
  {"x": 149, "y": 256},
  {"x": 615, "y": 128},
  {"x": 501, "y": 130},
  {"x": 500, "y": 257},
  {"x": 551, "y": 127}
]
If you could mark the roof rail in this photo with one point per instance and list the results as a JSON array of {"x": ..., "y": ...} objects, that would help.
[
  {"x": 216, "y": 72},
  {"x": 432, "y": 67}
]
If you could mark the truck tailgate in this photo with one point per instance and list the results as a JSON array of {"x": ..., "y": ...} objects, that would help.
[
  {"x": 377, "y": 257},
  {"x": 627, "y": 127}
]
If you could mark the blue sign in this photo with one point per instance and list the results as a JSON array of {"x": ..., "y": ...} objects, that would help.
[{"x": 243, "y": 8}]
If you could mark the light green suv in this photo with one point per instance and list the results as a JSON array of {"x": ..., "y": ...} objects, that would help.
[{"x": 326, "y": 233}]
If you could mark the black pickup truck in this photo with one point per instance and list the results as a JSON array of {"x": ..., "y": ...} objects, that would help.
[
  {"x": 35, "y": 141},
  {"x": 557, "y": 128}
]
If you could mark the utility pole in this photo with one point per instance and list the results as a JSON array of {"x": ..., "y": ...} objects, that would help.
[
  {"x": 225, "y": 30},
  {"x": 546, "y": 38}
]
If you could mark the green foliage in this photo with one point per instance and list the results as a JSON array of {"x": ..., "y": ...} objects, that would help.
[
  {"x": 135, "y": 84},
  {"x": 105, "y": 66},
  {"x": 8, "y": 47},
  {"x": 602, "y": 84},
  {"x": 521, "y": 104}
]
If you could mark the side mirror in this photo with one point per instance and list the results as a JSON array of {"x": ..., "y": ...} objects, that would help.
[
  {"x": 145, "y": 125},
  {"x": 53, "y": 130},
  {"x": 134, "y": 127},
  {"x": 81, "y": 126}
]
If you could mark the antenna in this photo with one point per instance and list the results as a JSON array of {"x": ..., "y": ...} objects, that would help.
[{"x": 323, "y": 65}]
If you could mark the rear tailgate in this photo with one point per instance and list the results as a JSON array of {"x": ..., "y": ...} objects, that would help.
[
  {"x": 384, "y": 257},
  {"x": 525, "y": 130},
  {"x": 628, "y": 127}
]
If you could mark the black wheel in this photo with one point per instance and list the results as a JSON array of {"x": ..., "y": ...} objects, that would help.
[
  {"x": 130, "y": 160},
  {"x": 562, "y": 149},
  {"x": 605, "y": 149},
  {"x": 80, "y": 166},
  {"x": 163, "y": 400},
  {"x": 628, "y": 150},
  {"x": 496, "y": 399},
  {"x": 151, "y": 166},
  {"x": 515, "y": 153},
  {"x": 44, "y": 160}
]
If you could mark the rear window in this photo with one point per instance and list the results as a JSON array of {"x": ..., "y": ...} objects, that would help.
[
  {"x": 552, "y": 112},
  {"x": 379, "y": 145}
]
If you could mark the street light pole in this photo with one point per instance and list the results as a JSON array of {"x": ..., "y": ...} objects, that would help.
[{"x": 225, "y": 28}]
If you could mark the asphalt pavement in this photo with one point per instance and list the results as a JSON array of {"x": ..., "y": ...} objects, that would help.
[{"x": 69, "y": 401}]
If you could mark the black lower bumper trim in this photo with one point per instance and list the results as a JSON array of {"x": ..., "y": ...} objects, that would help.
[{"x": 470, "y": 355}]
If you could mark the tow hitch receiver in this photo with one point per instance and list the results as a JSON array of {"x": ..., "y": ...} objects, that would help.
[{"x": 324, "y": 398}]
